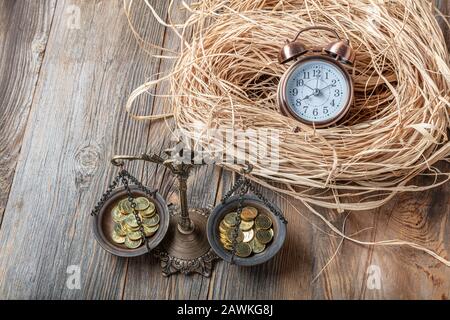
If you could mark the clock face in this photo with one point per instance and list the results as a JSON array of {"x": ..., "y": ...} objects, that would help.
[{"x": 317, "y": 91}]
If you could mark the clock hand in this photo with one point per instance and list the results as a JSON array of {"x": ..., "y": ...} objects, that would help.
[
  {"x": 326, "y": 87},
  {"x": 306, "y": 97},
  {"x": 309, "y": 87}
]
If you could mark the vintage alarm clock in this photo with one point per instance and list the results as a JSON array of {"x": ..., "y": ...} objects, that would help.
[{"x": 317, "y": 89}]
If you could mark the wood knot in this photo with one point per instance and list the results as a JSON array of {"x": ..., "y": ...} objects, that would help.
[
  {"x": 38, "y": 47},
  {"x": 87, "y": 161}
]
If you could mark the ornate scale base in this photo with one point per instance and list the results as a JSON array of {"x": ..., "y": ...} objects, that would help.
[{"x": 187, "y": 252}]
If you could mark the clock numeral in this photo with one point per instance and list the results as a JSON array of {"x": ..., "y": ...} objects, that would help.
[
  {"x": 332, "y": 103},
  {"x": 316, "y": 112},
  {"x": 325, "y": 110},
  {"x": 333, "y": 83},
  {"x": 295, "y": 92},
  {"x": 305, "y": 109},
  {"x": 326, "y": 75},
  {"x": 298, "y": 103},
  {"x": 316, "y": 73},
  {"x": 300, "y": 83},
  {"x": 306, "y": 75},
  {"x": 337, "y": 93}
]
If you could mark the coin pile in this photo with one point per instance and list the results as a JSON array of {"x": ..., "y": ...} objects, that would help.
[
  {"x": 255, "y": 232},
  {"x": 126, "y": 229}
]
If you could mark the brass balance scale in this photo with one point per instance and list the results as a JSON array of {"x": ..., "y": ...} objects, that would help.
[{"x": 188, "y": 240}]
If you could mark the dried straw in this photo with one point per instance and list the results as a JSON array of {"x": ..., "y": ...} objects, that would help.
[{"x": 226, "y": 74}]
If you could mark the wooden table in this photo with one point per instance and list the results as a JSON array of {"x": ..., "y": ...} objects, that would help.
[{"x": 62, "y": 92}]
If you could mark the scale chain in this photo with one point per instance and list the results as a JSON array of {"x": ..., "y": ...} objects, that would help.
[
  {"x": 266, "y": 202},
  {"x": 140, "y": 185},
  {"x": 105, "y": 196},
  {"x": 233, "y": 189}
]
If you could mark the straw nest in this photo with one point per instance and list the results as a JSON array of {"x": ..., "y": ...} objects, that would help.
[{"x": 226, "y": 75}]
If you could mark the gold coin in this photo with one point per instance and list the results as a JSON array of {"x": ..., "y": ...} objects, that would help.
[
  {"x": 257, "y": 246},
  {"x": 248, "y": 235},
  {"x": 227, "y": 246},
  {"x": 225, "y": 241},
  {"x": 264, "y": 236},
  {"x": 129, "y": 229},
  {"x": 117, "y": 239},
  {"x": 142, "y": 203},
  {"x": 126, "y": 207},
  {"x": 117, "y": 214},
  {"x": 149, "y": 212},
  {"x": 239, "y": 237},
  {"x": 151, "y": 222},
  {"x": 224, "y": 234},
  {"x": 120, "y": 206},
  {"x": 132, "y": 244},
  {"x": 249, "y": 213},
  {"x": 135, "y": 235},
  {"x": 120, "y": 219},
  {"x": 230, "y": 219},
  {"x": 150, "y": 231},
  {"x": 246, "y": 225},
  {"x": 143, "y": 216},
  {"x": 128, "y": 216},
  {"x": 263, "y": 222},
  {"x": 223, "y": 228},
  {"x": 119, "y": 230},
  {"x": 243, "y": 249},
  {"x": 115, "y": 210},
  {"x": 131, "y": 221},
  {"x": 224, "y": 237}
]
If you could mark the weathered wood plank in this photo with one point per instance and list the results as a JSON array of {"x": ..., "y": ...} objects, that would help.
[
  {"x": 422, "y": 218},
  {"x": 344, "y": 265},
  {"x": 77, "y": 122},
  {"x": 24, "y": 30}
]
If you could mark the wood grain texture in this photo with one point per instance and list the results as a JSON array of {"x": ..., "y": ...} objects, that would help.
[
  {"x": 77, "y": 122},
  {"x": 424, "y": 219},
  {"x": 24, "y": 31}
]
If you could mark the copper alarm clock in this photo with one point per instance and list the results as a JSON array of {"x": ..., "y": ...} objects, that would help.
[{"x": 317, "y": 89}]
